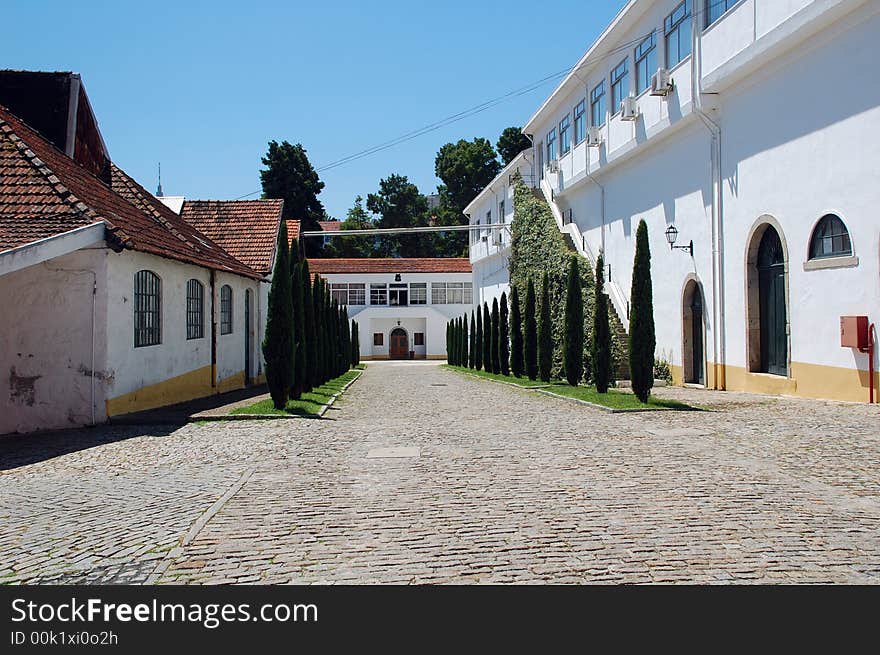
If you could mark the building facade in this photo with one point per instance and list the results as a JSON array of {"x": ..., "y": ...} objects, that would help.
[
  {"x": 706, "y": 116},
  {"x": 401, "y": 305}
]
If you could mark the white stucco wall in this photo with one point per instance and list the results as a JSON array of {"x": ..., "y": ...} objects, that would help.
[{"x": 46, "y": 343}]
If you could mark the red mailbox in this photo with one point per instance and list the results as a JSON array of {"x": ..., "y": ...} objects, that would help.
[{"x": 854, "y": 332}]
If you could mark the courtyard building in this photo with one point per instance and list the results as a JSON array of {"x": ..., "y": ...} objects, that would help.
[
  {"x": 401, "y": 305},
  {"x": 705, "y": 119},
  {"x": 112, "y": 302}
]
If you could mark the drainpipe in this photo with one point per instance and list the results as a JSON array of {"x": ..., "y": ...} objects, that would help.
[
  {"x": 213, "y": 333},
  {"x": 719, "y": 341}
]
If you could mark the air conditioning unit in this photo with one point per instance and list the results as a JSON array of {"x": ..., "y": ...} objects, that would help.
[
  {"x": 553, "y": 166},
  {"x": 594, "y": 137},
  {"x": 629, "y": 109},
  {"x": 662, "y": 83}
]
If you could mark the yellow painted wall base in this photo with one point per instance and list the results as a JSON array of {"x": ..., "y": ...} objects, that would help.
[
  {"x": 195, "y": 384},
  {"x": 807, "y": 381}
]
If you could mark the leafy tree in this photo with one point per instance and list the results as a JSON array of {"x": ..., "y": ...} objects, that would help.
[
  {"x": 504, "y": 336},
  {"x": 355, "y": 345},
  {"x": 531, "y": 333},
  {"x": 496, "y": 338},
  {"x": 517, "y": 362},
  {"x": 511, "y": 142},
  {"x": 487, "y": 339},
  {"x": 299, "y": 324},
  {"x": 278, "y": 346},
  {"x": 309, "y": 334},
  {"x": 465, "y": 168},
  {"x": 356, "y": 247},
  {"x": 472, "y": 340},
  {"x": 545, "y": 334},
  {"x": 642, "y": 339},
  {"x": 478, "y": 342},
  {"x": 400, "y": 204},
  {"x": 573, "y": 341},
  {"x": 600, "y": 342},
  {"x": 290, "y": 176}
]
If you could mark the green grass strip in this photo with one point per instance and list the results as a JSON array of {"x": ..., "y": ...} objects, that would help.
[{"x": 309, "y": 404}]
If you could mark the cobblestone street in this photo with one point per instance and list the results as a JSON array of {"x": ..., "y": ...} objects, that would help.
[{"x": 507, "y": 486}]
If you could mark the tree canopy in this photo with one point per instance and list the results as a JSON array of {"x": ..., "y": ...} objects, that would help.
[
  {"x": 400, "y": 204},
  {"x": 511, "y": 142}
]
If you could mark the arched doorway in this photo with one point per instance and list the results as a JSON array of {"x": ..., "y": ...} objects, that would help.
[
  {"x": 398, "y": 344},
  {"x": 693, "y": 331},
  {"x": 768, "y": 302}
]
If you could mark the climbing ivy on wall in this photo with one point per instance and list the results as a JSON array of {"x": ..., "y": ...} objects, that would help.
[{"x": 537, "y": 245}]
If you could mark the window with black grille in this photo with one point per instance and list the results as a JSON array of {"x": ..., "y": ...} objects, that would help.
[
  {"x": 195, "y": 309},
  {"x": 147, "y": 309},
  {"x": 226, "y": 309}
]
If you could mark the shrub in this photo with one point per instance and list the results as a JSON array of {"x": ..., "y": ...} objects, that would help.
[{"x": 642, "y": 339}]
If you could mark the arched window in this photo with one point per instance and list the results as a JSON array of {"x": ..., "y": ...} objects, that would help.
[
  {"x": 830, "y": 238},
  {"x": 226, "y": 309},
  {"x": 147, "y": 309},
  {"x": 195, "y": 309}
]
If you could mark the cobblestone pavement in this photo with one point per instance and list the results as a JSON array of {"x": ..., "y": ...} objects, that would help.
[{"x": 510, "y": 486}]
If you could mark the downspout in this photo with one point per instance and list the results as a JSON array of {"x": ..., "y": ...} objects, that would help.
[
  {"x": 719, "y": 342},
  {"x": 213, "y": 333}
]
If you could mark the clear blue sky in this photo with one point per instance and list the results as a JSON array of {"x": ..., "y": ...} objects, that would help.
[{"x": 202, "y": 87}]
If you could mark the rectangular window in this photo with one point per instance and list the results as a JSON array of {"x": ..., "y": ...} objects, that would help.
[
  {"x": 438, "y": 293},
  {"x": 715, "y": 9},
  {"x": 501, "y": 212},
  {"x": 378, "y": 339},
  {"x": 597, "y": 105},
  {"x": 195, "y": 310},
  {"x": 147, "y": 309},
  {"x": 378, "y": 294},
  {"x": 579, "y": 132},
  {"x": 398, "y": 295},
  {"x": 419, "y": 338},
  {"x": 619, "y": 84},
  {"x": 646, "y": 63},
  {"x": 226, "y": 309},
  {"x": 488, "y": 222},
  {"x": 565, "y": 135},
  {"x": 452, "y": 293},
  {"x": 677, "y": 33},
  {"x": 418, "y": 293},
  {"x": 551, "y": 145},
  {"x": 357, "y": 294},
  {"x": 339, "y": 293}
]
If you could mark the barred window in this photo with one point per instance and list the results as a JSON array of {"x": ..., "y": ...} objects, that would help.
[
  {"x": 147, "y": 309},
  {"x": 378, "y": 294},
  {"x": 357, "y": 294},
  {"x": 226, "y": 309},
  {"x": 418, "y": 293},
  {"x": 830, "y": 238},
  {"x": 195, "y": 309}
]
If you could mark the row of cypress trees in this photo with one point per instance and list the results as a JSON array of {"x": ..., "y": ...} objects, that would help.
[
  {"x": 308, "y": 338},
  {"x": 525, "y": 347}
]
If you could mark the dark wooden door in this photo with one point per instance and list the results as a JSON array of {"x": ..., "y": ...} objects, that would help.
[
  {"x": 771, "y": 293},
  {"x": 697, "y": 338},
  {"x": 398, "y": 345}
]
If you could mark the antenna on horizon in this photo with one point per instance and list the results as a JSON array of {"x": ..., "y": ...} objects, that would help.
[{"x": 159, "y": 193}]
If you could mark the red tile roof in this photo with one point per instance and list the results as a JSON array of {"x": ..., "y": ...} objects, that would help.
[
  {"x": 246, "y": 229},
  {"x": 43, "y": 192},
  {"x": 391, "y": 265},
  {"x": 330, "y": 226},
  {"x": 293, "y": 228}
]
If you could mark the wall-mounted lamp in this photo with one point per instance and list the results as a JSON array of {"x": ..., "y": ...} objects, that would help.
[
  {"x": 398, "y": 323},
  {"x": 672, "y": 235}
]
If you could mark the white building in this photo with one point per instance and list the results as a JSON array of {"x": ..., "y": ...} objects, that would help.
[
  {"x": 112, "y": 303},
  {"x": 401, "y": 305},
  {"x": 751, "y": 127}
]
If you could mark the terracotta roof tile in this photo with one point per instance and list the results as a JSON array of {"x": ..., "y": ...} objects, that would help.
[
  {"x": 391, "y": 265},
  {"x": 246, "y": 229},
  {"x": 330, "y": 226},
  {"x": 44, "y": 192},
  {"x": 293, "y": 228}
]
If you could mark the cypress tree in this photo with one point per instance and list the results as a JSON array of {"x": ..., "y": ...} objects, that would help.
[
  {"x": 462, "y": 358},
  {"x": 299, "y": 328},
  {"x": 472, "y": 355},
  {"x": 346, "y": 341},
  {"x": 328, "y": 333},
  {"x": 531, "y": 333},
  {"x": 334, "y": 338},
  {"x": 487, "y": 338},
  {"x": 318, "y": 342},
  {"x": 573, "y": 343},
  {"x": 495, "y": 343},
  {"x": 545, "y": 334},
  {"x": 465, "y": 350},
  {"x": 355, "y": 345},
  {"x": 504, "y": 336},
  {"x": 478, "y": 342},
  {"x": 642, "y": 339},
  {"x": 600, "y": 344},
  {"x": 278, "y": 346},
  {"x": 309, "y": 335},
  {"x": 454, "y": 343},
  {"x": 517, "y": 363},
  {"x": 449, "y": 357}
]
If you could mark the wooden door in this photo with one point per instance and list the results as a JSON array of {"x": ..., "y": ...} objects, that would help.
[
  {"x": 773, "y": 314},
  {"x": 398, "y": 346}
]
